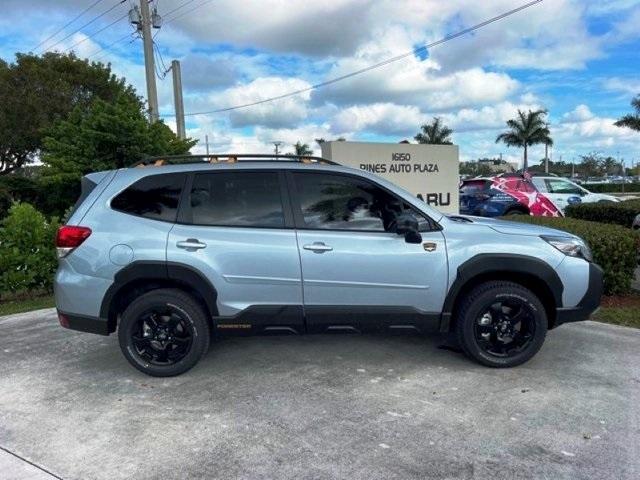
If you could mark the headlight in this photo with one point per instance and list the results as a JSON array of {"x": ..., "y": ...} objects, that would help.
[{"x": 574, "y": 247}]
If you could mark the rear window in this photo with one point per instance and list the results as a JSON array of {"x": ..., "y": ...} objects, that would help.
[
  {"x": 473, "y": 186},
  {"x": 155, "y": 197},
  {"x": 237, "y": 199}
]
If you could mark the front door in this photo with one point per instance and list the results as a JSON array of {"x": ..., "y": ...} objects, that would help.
[
  {"x": 236, "y": 228},
  {"x": 357, "y": 273}
]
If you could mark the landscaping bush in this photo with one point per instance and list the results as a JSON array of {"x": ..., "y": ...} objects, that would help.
[
  {"x": 27, "y": 251},
  {"x": 614, "y": 248},
  {"x": 612, "y": 187},
  {"x": 621, "y": 213}
]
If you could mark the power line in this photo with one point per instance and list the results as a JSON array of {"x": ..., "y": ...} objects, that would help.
[
  {"x": 107, "y": 47},
  {"x": 89, "y": 23},
  {"x": 67, "y": 24},
  {"x": 374, "y": 66},
  {"x": 182, "y": 14},
  {"x": 166, "y": 14},
  {"x": 120, "y": 40},
  {"x": 96, "y": 33}
]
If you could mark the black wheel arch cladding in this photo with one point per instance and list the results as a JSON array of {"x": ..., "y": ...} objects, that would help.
[{"x": 164, "y": 272}]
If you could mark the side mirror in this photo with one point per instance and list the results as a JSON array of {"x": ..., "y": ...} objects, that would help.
[{"x": 407, "y": 225}]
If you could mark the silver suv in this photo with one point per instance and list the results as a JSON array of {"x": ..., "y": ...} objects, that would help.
[{"x": 186, "y": 249}]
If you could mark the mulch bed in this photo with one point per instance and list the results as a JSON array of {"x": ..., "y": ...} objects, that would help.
[{"x": 617, "y": 301}]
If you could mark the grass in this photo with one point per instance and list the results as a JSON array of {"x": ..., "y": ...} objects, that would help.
[
  {"x": 623, "y": 311},
  {"x": 9, "y": 307}
]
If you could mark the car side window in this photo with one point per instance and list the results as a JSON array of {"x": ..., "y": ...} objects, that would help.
[
  {"x": 562, "y": 186},
  {"x": 339, "y": 202},
  {"x": 236, "y": 199},
  {"x": 155, "y": 197},
  {"x": 540, "y": 184}
]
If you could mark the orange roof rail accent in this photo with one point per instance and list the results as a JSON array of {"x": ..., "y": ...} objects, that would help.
[{"x": 158, "y": 163}]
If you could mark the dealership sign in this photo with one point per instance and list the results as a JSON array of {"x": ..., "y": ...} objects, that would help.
[{"x": 428, "y": 171}]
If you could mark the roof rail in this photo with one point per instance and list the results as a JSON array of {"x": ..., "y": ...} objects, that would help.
[{"x": 228, "y": 158}]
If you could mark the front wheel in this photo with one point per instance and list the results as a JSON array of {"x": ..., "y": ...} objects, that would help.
[
  {"x": 501, "y": 324},
  {"x": 164, "y": 332}
]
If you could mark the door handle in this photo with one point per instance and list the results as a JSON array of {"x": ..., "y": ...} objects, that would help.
[
  {"x": 191, "y": 244},
  {"x": 317, "y": 247}
]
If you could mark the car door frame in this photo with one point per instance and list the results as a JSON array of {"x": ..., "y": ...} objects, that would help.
[
  {"x": 359, "y": 318},
  {"x": 257, "y": 318}
]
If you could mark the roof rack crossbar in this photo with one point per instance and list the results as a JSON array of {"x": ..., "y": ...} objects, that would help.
[{"x": 228, "y": 158}]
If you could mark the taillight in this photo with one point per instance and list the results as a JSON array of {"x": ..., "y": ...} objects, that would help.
[{"x": 70, "y": 237}]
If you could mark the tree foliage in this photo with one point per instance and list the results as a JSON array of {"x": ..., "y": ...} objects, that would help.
[
  {"x": 528, "y": 128},
  {"x": 302, "y": 149},
  {"x": 104, "y": 136},
  {"x": 631, "y": 120},
  {"x": 434, "y": 133},
  {"x": 37, "y": 91}
]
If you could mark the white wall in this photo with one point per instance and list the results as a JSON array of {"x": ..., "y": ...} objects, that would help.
[{"x": 427, "y": 171}]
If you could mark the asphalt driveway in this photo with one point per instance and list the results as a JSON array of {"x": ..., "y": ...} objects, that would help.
[{"x": 318, "y": 407}]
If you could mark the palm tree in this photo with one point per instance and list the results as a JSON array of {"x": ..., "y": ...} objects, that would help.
[
  {"x": 631, "y": 121},
  {"x": 434, "y": 133},
  {"x": 525, "y": 130},
  {"x": 302, "y": 149}
]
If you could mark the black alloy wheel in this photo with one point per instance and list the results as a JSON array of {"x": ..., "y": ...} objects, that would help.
[
  {"x": 164, "y": 332},
  {"x": 162, "y": 336},
  {"x": 501, "y": 324},
  {"x": 506, "y": 328}
]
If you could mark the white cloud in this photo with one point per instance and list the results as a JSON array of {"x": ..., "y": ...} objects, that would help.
[
  {"x": 280, "y": 113},
  {"x": 630, "y": 86},
  {"x": 382, "y": 118}
]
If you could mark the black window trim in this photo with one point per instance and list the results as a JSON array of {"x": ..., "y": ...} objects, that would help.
[
  {"x": 186, "y": 178},
  {"x": 184, "y": 207},
  {"x": 299, "y": 217}
]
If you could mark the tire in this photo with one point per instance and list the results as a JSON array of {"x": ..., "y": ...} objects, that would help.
[
  {"x": 489, "y": 344},
  {"x": 514, "y": 211},
  {"x": 164, "y": 332}
]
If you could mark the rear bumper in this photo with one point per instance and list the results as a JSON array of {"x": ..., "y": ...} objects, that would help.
[
  {"x": 83, "y": 324},
  {"x": 589, "y": 303}
]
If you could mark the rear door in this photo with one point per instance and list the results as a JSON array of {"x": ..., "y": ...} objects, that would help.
[
  {"x": 236, "y": 227},
  {"x": 357, "y": 273}
]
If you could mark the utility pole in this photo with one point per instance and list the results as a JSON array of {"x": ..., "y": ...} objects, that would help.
[
  {"x": 177, "y": 98},
  {"x": 149, "y": 62},
  {"x": 277, "y": 145},
  {"x": 206, "y": 143}
]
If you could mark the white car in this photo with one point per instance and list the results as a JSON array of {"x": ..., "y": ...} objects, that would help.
[{"x": 563, "y": 192}]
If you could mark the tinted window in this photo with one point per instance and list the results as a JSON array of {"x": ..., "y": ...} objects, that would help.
[
  {"x": 562, "y": 186},
  {"x": 473, "y": 186},
  {"x": 338, "y": 202},
  {"x": 153, "y": 197},
  {"x": 237, "y": 199}
]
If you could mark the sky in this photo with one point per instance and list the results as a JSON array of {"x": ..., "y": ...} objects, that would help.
[{"x": 579, "y": 59}]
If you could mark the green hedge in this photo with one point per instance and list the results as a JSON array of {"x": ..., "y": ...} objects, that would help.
[
  {"x": 27, "y": 251},
  {"x": 614, "y": 248},
  {"x": 611, "y": 187},
  {"x": 620, "y": 213},
  {"x": 50, "y": 196}
]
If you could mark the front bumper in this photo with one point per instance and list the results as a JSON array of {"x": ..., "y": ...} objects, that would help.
[{"x": 589, "y": 302}]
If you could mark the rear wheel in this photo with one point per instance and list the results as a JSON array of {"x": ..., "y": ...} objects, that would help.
[
  {"x": 515, "y": 211},
  {"x": 501, "y": 324},
  {"x": 164, "y": 333}
]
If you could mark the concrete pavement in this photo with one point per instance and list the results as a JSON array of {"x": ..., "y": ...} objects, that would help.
[{"x": 319, "y": 407}]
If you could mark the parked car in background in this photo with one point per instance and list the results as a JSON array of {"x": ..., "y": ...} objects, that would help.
[
  {"x": 563, "y": 192},
  {"x": 636, "y": 222},
  {"x": 508, "y": 194},
  {"x": 514, "y": 193}
]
